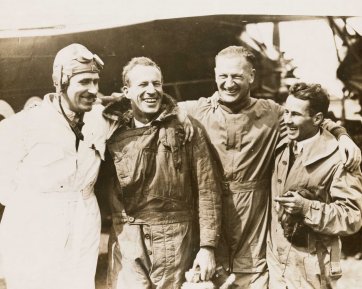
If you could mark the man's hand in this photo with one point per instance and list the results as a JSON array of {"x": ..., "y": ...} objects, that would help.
[
  {"x": 188, "y": 127},
  {"x": 350, "y": 153},
  {"x": 294, "y": 203},
  {"x": 115, "y": 96},
  {"x": 205, "y": 259},
  {"x": 214, "y": 100}
]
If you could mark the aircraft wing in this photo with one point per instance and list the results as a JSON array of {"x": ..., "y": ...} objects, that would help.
[{"x": 40, "y": 18}]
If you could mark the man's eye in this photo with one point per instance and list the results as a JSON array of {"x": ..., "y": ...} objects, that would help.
[
  {"x": 222, "y": 76},
  {"x": 290, "y": 113}
]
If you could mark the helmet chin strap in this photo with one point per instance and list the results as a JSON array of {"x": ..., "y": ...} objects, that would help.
[
  {"x": 76, "y": 124},
  {"x": 60, "y": 89},
  {"x": 63, "y": 96}
]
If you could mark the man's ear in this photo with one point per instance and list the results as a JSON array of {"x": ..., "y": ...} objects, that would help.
[
  {"x": 252, "y": 76},
  {"x": 318, "y": 119},
  {"x": 125, "y": 91}
]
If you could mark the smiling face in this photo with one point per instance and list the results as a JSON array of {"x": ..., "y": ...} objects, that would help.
[
  {"x": 233, "y": 75},
  {"x": 144, "y": 89},
  {"x": 81, "y": 92},
  {"x": 300, "y": 124}
]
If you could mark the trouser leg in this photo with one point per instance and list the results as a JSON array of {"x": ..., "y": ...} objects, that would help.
[
  {"x": 257, "y": 280},
  {"x": 301, "y": 270},
  {"x": 33, "y": 238},
  {"x": 81, "y": 272},
  {"x": 276, "y": 279},
  {"x": 150, "y": 256},
  {"x": 128, "y": 262},
  {"x": 172, "y": 252}
]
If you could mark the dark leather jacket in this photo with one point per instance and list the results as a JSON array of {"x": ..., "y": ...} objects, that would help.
[{"x": 160, "y": 179}]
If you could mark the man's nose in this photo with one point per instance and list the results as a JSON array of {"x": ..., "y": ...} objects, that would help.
[
  {"x": 151, "y": 89},
  {"x": 229, "y": 82},
  {"x": 93, "y": 88},
  {"x": 287, "y": 118}
]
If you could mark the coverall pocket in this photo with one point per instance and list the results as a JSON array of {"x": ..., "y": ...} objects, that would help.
[
  {"x": 124, "y": 166},
  {"x": 44, "y": 153},
  {"x": 130, "y": 242},
  {"x": 133, "y": 166}
]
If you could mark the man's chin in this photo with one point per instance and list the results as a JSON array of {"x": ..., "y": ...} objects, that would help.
[
  {"x": 292, "y": 136},
  {"x": 229, "y": 98},
  {"x": 86, "y": 108},
  {"x": 151, "y": 110}
]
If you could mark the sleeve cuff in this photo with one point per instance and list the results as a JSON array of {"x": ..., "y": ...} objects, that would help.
[
  {"x": 208, "y": 244},
  {"x": 306, "y": 206},
  {"x": 338, "y": 132}
]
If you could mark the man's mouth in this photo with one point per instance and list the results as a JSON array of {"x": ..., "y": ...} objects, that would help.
[
  {"x": 90, "y": 98},
  {"x": 150, "y": 100},
  {"x": 89, "y": 101},
  {"x": 292, "y": 128},
  {"x": 231, "y": 91}
]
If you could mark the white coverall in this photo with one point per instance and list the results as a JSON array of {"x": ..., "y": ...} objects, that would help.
[{"x": 50, "y": 231}]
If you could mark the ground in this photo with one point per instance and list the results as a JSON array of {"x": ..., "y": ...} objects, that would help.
[{"x": 352, "y": 277}]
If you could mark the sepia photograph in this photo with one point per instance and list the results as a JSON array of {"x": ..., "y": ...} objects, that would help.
[{"x": 195, "y": 144}]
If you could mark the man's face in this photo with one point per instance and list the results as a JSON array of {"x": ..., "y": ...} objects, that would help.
[
  {"x": 82, "y": 91},
  {"x": 300, "y": 125},
  {"x": 233, "y": 76},
  {"x": 144, "y": 89}
]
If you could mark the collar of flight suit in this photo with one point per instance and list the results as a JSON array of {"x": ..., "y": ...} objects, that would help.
[
  {"x": 321, "y": 147},
  {"x": 121, "y": 110}
]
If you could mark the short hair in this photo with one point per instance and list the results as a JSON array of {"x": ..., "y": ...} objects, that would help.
[
  {"x": 237, "y": 51},
  {"x": 145, "y": 61},
  {"x": 317, "y": 96}
]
